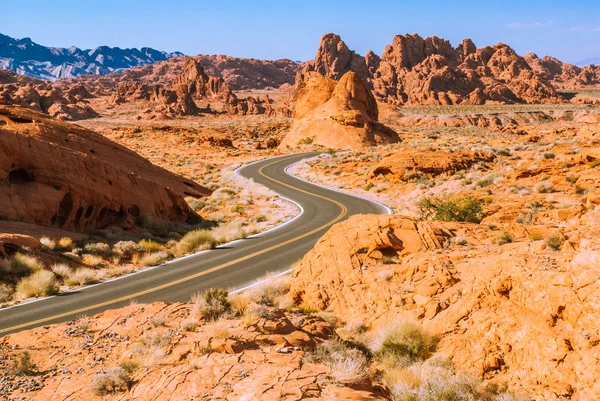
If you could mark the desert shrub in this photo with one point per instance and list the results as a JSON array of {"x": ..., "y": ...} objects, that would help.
[
  {"x": 464, "y": 209},
  {"x": 403, "y": 341},
  {"x": 535, "y": 236},
  {"x": 368, "y": 186},
  {"x": 195, "y": 241},
  {"x": 92, "y": 260},
  {"x": 544, "y": 188},
  {"x": 62, "y": 270},
  {"x": 212, "y": 304},
  {"x": 346, "y": 365},
  {"x": 224, "y": 192},
  {"x": 555, "y": 242},
  {"x": 154, "y": 259},
  {"x": 40, "y": 284},
  {"x": 579, "y": 190},
  {"x": 306, "y": 141},
  {"x": 22, "y": 263},
  {"x": 150, "y": 245},
  {"x": 239, "y": 209},
  {"x": 188, "y": 325},
  {"x": 23, "y": 365},
  {"x": 66, "y": 244},
  {"x": 157, "y": 321},
  {"x": 504, "y": 238},
  {"x": 6, "y": 292},
  {"x": 112, "y": 381},
  {"x": 81, "y": 277},
  {"x": 99, "y": 248},
  {"x": 437, "y": 380},
  {"x": 270, "y": 290},
  {"x": 129, "y": 366},
  {"x": 548, "y": 155},
  {"x": 48, "y": 243},
  {"x": 127, "y": 248},
  {"x": 389, "y": 260},
  {"x": 572, "y": 178}
]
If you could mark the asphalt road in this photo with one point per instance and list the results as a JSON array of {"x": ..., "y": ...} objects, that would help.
[{"x": 230, "y": 266}]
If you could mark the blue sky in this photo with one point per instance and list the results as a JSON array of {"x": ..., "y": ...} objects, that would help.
[{"x": 568, "y": 30}]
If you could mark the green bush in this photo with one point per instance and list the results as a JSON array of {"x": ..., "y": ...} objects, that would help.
[{"x": 464, "y": 209}]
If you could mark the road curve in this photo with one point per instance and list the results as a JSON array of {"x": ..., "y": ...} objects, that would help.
[{"x": 230, "y": 266}]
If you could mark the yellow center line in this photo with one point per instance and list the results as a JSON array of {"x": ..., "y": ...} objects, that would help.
[{"x": 343, "y": 213}]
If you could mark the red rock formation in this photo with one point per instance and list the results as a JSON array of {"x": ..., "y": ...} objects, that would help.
[
  {"x": 413, "y": 70},
  {"x": 334, "y": 59},
  {"x": 66, "y": 103},
  {"x": 521, "y": 313},
  {"x": 198, "y": 83},
  {"x": 60, "y": 175},
  {"x": 563, "y": 75},
  {"x": 346, "y": 120}
]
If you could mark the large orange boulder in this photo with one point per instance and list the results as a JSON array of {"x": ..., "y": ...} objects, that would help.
[
  {"x": 61, "y": 175},
  {"x": 347, "y": 119},
  {"x": 519, "y": 313}
]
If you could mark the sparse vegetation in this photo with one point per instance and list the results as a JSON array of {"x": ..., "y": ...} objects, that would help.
[
  {"x": 464, "y": 209},
  {"x": 346, "y": 365},
  {"x": 212, "y": 304},
  {"x": 23, "y": 365},
  {"x": 195, "y": 241},
  {"x": 40, "y": 284},
  {"x": 112, "y": 381},
  {"x": 504, "y": 238},
  {"x": 555, "y": 242}
]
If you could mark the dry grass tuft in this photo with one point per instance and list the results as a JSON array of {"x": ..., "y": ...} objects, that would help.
[{"x": 40, "y": 284}]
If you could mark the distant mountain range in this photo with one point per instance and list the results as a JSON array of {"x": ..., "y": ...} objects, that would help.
[
  {"x": 26, "y": 57},
  {"x": 588, "y": 61}
]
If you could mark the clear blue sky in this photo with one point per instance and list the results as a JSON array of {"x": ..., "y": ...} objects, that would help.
[{"x": 569, "y": 30}]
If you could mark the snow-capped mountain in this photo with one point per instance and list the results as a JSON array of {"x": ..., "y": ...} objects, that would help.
[{"x": 51, "y": 63}]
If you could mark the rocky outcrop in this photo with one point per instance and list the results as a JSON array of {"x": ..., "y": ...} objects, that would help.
[
  {"x": 168, "y": 358},
  {"x": 564, "y": 75},
  {"x": 197, "y": 83},
  {"x": 409, "y": 164},
  {"x": 60, "y": 175},
  {"x": 334, "y": 59},
  {"x": 413, "y": 70},
  {"x": 519, "y": 313},
  {"x": 66, "y": 103},
  {"x": 348, "y": 119}
]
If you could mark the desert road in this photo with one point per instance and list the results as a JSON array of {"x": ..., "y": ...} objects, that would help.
[{"x": 231, "y": 266}]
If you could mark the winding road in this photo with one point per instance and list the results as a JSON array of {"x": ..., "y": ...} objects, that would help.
[{"x": 232, "y": 265}]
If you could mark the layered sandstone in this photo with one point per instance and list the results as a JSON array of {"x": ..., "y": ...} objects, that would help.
[
  {"x": 348, "y": 119},
  {"x": 61, "y": 175}
]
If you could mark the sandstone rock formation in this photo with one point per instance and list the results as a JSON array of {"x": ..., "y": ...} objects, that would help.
[
  {"x": 347, "y": 120},
  {"x": 520, "y": 312},
  {"x": 226, "y": 360},
  {"x": 564, "y": 75},
  {"x": 60, "y": 175},
  {"x": 413, "y": 70},
  {"x": 68, "y": 103},
  {"x": 404, "y": 165}
]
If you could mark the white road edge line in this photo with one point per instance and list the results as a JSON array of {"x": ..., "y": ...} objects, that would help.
[{"x": 237, "y": 173}]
